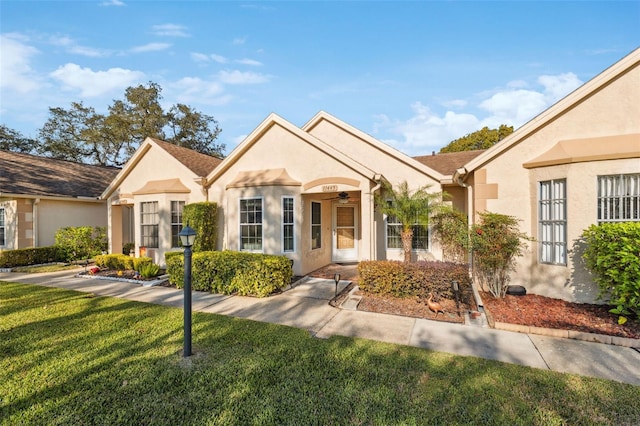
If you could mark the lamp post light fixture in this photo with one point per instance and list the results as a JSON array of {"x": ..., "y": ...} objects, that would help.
[
  {"x": 187, "y": 237},
  {"x": 336, "y": 278}
]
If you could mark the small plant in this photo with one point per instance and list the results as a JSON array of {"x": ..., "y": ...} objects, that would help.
[
  {"x": 496, "y": 241},
  {"x": 149, "y": 270}
]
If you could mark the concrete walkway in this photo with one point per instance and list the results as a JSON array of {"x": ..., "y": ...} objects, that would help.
[{"x": 306, "y": 306}]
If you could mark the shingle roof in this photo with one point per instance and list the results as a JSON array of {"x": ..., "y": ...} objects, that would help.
[
  {"x": 198, "y": 163},
  {"x": 447, "y": 163},
  {"x": 27, "y": 174}
]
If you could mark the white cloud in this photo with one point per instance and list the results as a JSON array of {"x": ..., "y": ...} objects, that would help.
[
  {"x": 95, "y": 83},
  {"x": 16, "y": 73},
  {"x": 112, "y": 3},
  {"x": 71, "y": 46},
  {"x": 203, "y": 57},
  {"x": 239, "y": 77},
  {"x": 151, "y": 47},
  {"x": 249, "y": 62},
  {"x": 514, "y": 105},
  {"x": 170, "y": 30},
  {"x": 191, "y": 90},
  {"x": 239, "y": 40}
]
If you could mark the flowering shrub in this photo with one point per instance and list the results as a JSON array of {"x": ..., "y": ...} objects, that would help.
[{"x": 496, "y": 241}]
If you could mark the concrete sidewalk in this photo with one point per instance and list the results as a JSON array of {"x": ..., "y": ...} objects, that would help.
[{"x": 306, "y": 306}]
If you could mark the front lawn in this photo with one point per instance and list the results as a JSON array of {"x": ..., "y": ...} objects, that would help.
[{"x": 71, "y": 358}]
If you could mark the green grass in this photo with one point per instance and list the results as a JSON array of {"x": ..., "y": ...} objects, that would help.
[{"x": 73, "y": 358}]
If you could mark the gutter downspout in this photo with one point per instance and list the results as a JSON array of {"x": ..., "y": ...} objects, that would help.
[
  {"x": 34, "y": 213},
  {"x": 374, "y": 238},
  {"x": 458, "y": 177}
]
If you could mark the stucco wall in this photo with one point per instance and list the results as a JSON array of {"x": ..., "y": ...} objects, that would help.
[{"x": 53, "y": 215}]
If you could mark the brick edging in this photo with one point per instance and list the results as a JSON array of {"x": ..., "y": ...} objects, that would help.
[{"x": 569, "y": 334}]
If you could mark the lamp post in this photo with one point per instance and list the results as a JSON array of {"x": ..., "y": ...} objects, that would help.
[{"x": 187, "y": 236}]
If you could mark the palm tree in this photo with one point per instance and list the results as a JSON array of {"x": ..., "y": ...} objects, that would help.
[{"x": 410, "y": 208}]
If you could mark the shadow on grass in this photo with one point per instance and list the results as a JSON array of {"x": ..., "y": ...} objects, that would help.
[{"x": 98, "y": 360}]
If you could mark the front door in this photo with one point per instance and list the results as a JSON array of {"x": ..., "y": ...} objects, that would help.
[{"x": 345, "y": 233}]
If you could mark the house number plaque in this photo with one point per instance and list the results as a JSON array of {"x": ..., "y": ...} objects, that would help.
[{"x": 329, "y": 188}]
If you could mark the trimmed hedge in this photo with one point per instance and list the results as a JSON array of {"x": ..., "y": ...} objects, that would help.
[
  {"x": 31, "y": 256},
  {"x": 418, "y": 279},
  {"x": 203, "y": 218},
  {"x": 121, "y": 262},
  {"x": 232, "y": 272}
]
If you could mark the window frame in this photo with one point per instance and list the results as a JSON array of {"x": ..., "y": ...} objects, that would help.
[
  {"x": 146, "y": 240},
  {"x": 317, "y": 226},
  {"x": 623, "y": 203},
  {"x": 177, "y": 225},
  {"x": 550, "y": 221},
  {"x": 259, "y": 239},
  {"x": 288, "y": 221},
  {"x": 416, "y": 235}
]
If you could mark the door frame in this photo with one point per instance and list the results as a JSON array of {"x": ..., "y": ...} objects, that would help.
[{"x": 350, "y": 255}]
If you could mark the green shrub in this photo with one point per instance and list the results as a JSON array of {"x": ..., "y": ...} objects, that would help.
[
  {"x": 228, "y": 272},
  {"x": 116, "y": 262},
  {"x": 128, "y": 247},
  {"x": 418, "y": 279},
  {"x": 451, "y": 229},
  {"x": 149, "y": 270},
  {"x": 203, "y": 218},
  {"x": 138, "y": 263},
  {"x": 496, "y": 241},
  {"x": 612, "y": 254},
  {"x": 81, "y": 242},
  {"x": 31, "y": 256}
]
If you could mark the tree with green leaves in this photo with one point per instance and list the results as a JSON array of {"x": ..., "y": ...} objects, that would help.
[
  {"x": 409, "y": 207},
  {"x": 14, "y": 141},
  {"x": 480, "y": 139},
  {"x": 82, "y": 135}
]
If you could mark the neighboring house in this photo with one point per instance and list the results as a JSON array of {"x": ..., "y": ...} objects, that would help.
[
  {"x": 40, "y": 195},
  {"x": 146, "y": 198},
  {"x": 308, "y": 192}
]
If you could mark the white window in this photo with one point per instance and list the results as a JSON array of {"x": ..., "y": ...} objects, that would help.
[
  {"x": 149, "y": 219},
  {"x": 420, "y": 240},
  {"x": 316, "y": 225},
  {"x": 2, "y": 228},
  {"x": 288, "y": 229},
  {"x": 176, "y": 222},
  {"x": 619, "y": 198},
  {"x": 251, "y": 224},
  {"x": 552, "y": 217}
]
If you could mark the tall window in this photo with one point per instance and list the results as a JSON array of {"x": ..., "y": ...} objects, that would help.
[
  {"x": 149, "y": 219},
  {"x": 287, "y": 224},
  {"x": 176, "y": 222},
  {"x": 251, "y": 224},
  {"x": 2, "y": 228},
  {"x": 553, "y": 221},
  {"x": 316, "y": 225},
  {"x": 619, "y": 198},
  {"x": 420, "y": 240}
]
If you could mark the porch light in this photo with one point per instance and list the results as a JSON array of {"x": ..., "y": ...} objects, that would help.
[{"x": 187, "y": 236}]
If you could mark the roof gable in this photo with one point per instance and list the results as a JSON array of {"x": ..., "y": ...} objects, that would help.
[
  {"x": 448, "y": 162},
  {"x": 276, "y": 120},
  {"x": 372, "y": 142},
  {"x": 197, "y": 163},
  {"x": 26, "y": 174},
  {"x": 579, "y": 95}
]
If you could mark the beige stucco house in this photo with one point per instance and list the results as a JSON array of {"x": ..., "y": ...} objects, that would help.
[
  {"x": 308, "y": 192},
  {"x": 40, "y": 195}
]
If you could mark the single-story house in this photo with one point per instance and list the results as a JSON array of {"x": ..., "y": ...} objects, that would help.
[
  {"x": 40, "y": 195},
  {"x": 308, "y": 192}
]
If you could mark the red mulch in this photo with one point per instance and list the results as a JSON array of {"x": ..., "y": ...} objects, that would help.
[{"x": 540, "y": 311}]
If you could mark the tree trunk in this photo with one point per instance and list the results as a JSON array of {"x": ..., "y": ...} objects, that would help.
[{"x": 407, "y": 239}]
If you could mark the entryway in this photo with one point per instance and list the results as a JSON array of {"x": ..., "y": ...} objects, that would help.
[{"x": 345, "y": 232}]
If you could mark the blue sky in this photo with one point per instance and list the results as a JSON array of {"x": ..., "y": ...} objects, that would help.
[{"x": 415, "y": 75}]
